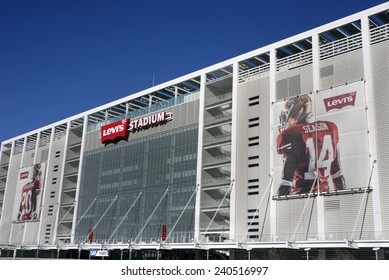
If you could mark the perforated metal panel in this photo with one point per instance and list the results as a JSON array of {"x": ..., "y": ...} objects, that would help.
[
  {"x": 341, "y": 69},
  {"x": 294, "y": 82},
  {"x": 295, "y": 220},
  {"x": 380, "y": 76},
  {"x": 327, "y": 71}
]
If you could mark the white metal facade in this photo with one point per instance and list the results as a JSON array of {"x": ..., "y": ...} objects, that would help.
[{"x": 232, "y": 103}]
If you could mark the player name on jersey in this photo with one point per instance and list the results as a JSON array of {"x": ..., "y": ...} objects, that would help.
[{"x": 309, "y": 128}]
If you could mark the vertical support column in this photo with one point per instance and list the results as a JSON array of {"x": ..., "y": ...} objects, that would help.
[
  {"x": 175, "y": 94},
  {"x": 371, "y": 124},
  {"x": 316, "y": 86},
  {"x": 199, "y": 158},
  {"x": 234, "y": 136},
  {"x": 150, "y": 102},
  {"x": 1, "y": 208},
  {"x": 21, "y": 165},
  {"x": 42, "y": 193},
  {"x": 272, "y": 87},
  {"x": 61, "y": 180},
  {"x": 49, "y": 164},
  {"x": 5, "y": 194},
  {"x": 84, "y": 130}
]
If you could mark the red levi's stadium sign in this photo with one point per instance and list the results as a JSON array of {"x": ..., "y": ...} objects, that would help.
[
  {"x": 114, "y": 131},
  {"x": 149, "y": 121},
  {"x": 340, "y": 101},
  {"x": 120, "y": 129}
]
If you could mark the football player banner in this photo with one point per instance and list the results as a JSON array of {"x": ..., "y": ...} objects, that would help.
[
  {"x": 321, "y": 142},
  {"x": 29, "y": 193}
]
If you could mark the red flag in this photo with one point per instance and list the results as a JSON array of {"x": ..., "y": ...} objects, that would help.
[
  {"x": 164, "y": 229},
  {"x": 90, "y": 235}
]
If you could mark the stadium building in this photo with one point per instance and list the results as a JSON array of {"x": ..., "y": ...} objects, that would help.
[{"x": 277, "y": 153}]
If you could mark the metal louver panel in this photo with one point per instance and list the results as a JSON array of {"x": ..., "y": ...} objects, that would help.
[{"x": 380, "y": 74}]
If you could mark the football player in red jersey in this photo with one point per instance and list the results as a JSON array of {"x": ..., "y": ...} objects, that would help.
[
  {"x": 30, "y": 192},
  {"x": 309, "y": 149}
]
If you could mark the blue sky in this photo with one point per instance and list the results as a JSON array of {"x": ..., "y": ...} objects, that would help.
[{"x": 59, "y": 58}]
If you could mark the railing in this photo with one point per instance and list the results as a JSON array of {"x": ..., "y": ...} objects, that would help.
[
  {"x": 217, "y": 139},
  {"x": 256, "y": 72},
  {"x": 216, "y": 99},
  {"x": 70, "y": 170},
  {"x": 75, "y": 142},
  {"x": 179, "y": 237},
  {"x": 216, "y": 160},
  {"x": 216, "y": 181},
  {"x": 188, "y": 239},
  {"x": 295, "y": 60},
  {"x": 214, "y": 79},
  {"x": 341, "y": 46},
  {"x": 59, "y": 135},
  {"x": 379, "y": 34},
  {"x": 219, "y": 226},
  {"x": 44, "y": 140},
  {"x": 217, "y": 119},
  {"x": 18, "y": 149},
  {"x": 72, "y": 157},
  {"x": 148, "y": 109},
  {"x": 69, "y": 187},
  {"x": 315, "y": 237},
  {"x": 213, "y": 204},
  {"x": 31, "y": 145}
]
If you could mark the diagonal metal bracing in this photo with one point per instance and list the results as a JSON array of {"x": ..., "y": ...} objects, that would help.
[
  {"x": 102, "y": 216},
  {"x": 151, "y": 215},
  {"x": 220, "y": 204},
  {"x": 364, "y": 200},
  {"x": 125, "y": 216},
  {"x": 311, "y": 193},
  {"x": 182, "y": 212},
  {"x": 86, "y": 211},
  {"x": 67, "y": 212}
]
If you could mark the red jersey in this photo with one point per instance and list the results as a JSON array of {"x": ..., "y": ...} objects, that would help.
[
  {"x": 314, "y": 145},
  {"x": 28, "y": 203}
]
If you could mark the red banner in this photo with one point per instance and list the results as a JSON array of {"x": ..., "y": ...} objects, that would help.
[
  {"x": 90, "y": 235},
  {"x": 114, "y": 131},
  {"x": 164, "y": 230}
]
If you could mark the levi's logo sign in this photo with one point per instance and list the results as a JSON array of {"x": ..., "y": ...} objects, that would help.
[
  {"x": 121, "y": 129},
  {"x": 24, "y": 175},
  {"x": 113, "y": 131},
  {"x": 340, "y": 101}
]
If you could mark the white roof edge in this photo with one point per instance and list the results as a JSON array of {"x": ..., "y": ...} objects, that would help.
[{"x": 281, "y": 43}]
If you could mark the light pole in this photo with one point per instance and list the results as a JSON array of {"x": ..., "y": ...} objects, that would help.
[
  {"x": 376, "y": 249},
  {"x": 249, "y": 253},
  {"x": 307, "y": 252}
]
